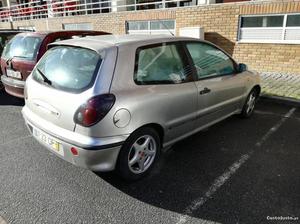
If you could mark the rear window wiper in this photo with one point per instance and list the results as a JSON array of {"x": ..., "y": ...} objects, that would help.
[
  {"x": 16, "y": 56},
  {"x": 11, "y": 58},
  {"x": 45, "y": 79}
]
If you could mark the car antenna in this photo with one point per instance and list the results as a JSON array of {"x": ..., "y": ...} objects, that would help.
[{"x": 160, "y": 21}]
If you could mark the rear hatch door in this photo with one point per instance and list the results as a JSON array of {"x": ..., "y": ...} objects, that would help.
[
  {"x": 19, "y": 55},
  {"x": 61, "y": 81}
]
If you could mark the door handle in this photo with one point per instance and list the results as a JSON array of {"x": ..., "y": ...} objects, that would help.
[{"x": 205, "y": 91}]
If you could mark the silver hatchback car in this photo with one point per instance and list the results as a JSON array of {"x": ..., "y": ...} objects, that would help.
[{"x": 116, "y": 102}]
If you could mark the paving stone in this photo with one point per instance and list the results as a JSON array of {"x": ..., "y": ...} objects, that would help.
[
  {"x": 2, "y": 221},
  {"x": 280, "y": 84}
]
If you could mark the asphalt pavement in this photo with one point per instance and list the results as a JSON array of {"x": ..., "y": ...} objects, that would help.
[{"x": 238, "y": 171}]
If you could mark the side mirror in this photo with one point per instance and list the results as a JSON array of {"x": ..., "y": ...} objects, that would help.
[{"x": 242, "y": 67}]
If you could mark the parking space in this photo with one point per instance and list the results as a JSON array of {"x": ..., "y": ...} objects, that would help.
[{"x": 238, "y": 171}]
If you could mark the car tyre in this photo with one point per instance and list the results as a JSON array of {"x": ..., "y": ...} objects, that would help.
[
  {"x": 249, "y": 105},
  {"x": 139, "y": 154}
]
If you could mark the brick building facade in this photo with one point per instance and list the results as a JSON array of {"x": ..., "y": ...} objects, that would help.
[{"x": 220, "y": 22}]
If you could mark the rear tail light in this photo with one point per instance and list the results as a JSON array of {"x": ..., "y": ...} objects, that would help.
[{"x": 94, "y": 110}]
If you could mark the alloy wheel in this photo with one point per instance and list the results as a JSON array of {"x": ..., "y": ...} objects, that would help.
[
  {"x": 142, "y": 154},
  {"x": 251, "y": 102}
]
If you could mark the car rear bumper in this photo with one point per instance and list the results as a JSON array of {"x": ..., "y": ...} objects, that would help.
[
  {"x": 97, "y": 154},
  {"x": 13, "y": 86}
]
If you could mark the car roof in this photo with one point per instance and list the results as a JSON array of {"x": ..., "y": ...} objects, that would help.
[
  {"x": 46, "y": 33},
  {"x": 122, "y": 39},
  {"x": 98, "y": 43}
]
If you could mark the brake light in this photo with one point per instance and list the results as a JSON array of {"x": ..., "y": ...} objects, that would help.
[{"x": 94, "y": 110}]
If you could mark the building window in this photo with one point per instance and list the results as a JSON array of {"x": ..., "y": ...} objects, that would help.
[
  {"x": 77, "y": 26},
  {"x": 283, "y": 28},
  {"x": 263, "y": 21},
  {"x": 31, "y": 28},
  {"x": 156, "y": 4},
  {"x": 293, "y": 20},
  {"x": 151, "y": 27}
]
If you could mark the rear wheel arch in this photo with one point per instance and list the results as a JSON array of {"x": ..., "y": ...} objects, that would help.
[
  {"x": 133, "y": 154},
  {"x": 157, "y": 127}
]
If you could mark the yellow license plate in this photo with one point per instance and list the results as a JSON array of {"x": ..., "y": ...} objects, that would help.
[{"x": 48, "y": 141}]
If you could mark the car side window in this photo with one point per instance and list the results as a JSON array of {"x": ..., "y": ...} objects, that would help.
[
  {"x": 209, "y": 61},
  {"x": 160, "y": 64}
]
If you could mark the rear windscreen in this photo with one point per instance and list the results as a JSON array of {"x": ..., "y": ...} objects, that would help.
[
  {"x": 25, "y": 47},
  {"x": 70, "y": 69}
]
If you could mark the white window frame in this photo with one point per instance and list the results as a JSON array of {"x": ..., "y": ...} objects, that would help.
[
  {"x": 283, "y": 28},
  {"x": 31, "y": 28},
  {"x": 149, "y": 30},
  {"x": 77, "y": 25}
]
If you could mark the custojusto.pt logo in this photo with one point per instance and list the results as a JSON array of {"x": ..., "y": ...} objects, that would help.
[{"x": 282, "y": 218}]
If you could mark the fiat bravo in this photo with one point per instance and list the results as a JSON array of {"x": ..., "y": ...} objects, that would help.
[{"x": 117, "y": 102}]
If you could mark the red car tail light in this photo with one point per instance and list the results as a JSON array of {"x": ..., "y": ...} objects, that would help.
[{"x": 94, "y": 110}]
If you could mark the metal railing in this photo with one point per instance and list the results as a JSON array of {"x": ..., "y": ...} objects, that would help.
[{"x": 62, "y": 8}]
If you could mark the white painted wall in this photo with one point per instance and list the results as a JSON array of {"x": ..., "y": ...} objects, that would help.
[{"x": 194, "y": 32}]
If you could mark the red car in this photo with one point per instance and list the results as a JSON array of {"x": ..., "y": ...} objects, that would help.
[{"x": 22, "y": 53}]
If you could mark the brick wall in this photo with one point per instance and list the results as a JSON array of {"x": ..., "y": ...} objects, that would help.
[
  {"x": 220, "y": 22},
  {"x": 226, "y": 1}
]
